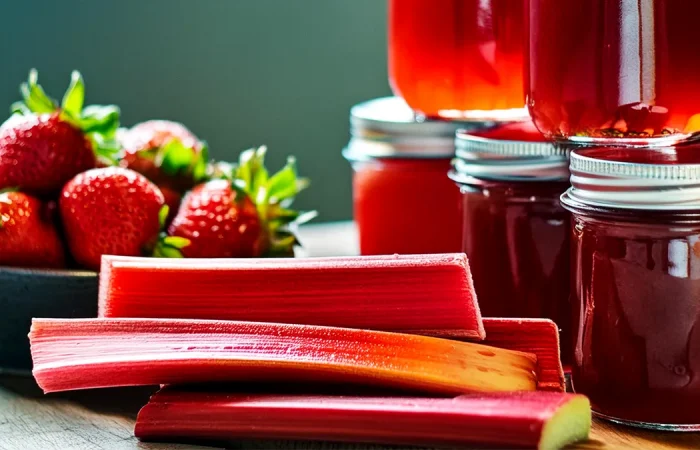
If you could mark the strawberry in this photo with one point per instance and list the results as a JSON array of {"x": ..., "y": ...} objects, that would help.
[
  {"x": 28, "y": 237},
  {"x": 243, "y": 214},
  {"x": 112, "y": 211},
  {"x": 166, "y": 153},
  {"x": 44, "y": 145}
]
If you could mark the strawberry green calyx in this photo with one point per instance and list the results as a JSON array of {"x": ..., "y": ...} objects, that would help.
[
  {"x": 273, "y": 196},
  {"x": 168, "y": 246},
  {"x": 175, "y": 158},
  {"x": 98, "y": 123}
]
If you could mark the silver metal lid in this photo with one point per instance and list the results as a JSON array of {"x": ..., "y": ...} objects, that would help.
[
  {"x": 515, "y": 151},
  {"x": 659, "y": 179},
  {"x": 388, "y": 128}
]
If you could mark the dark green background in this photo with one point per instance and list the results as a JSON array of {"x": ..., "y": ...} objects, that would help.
[{"x": 239, "y": 73}]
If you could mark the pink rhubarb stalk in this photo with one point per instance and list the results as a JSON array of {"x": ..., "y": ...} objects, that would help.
[
  {"x": 537, "y": 336},
  {"x": 544, "y": 420},
  {"x": 390, "y": 293},
  {"x": 73, "y": 354}
]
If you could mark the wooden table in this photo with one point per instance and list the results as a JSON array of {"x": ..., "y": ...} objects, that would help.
[{"x": 104, "y": 419}]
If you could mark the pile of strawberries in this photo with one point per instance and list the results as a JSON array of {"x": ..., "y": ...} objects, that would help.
[{"x": 74, "y": 186}]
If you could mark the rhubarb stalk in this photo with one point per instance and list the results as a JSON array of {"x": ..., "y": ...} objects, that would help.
[
  {"x": 390, "y": 293},
  {"x": 537, "y": 336},
  {"x": 73, "y": 354},
  {"x": 544, "y": 420}
]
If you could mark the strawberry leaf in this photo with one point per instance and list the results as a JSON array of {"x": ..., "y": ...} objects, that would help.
[
  {"x": 199, "y": 172},
  {"x": 176, "y": 242},
  {"x": 105, "y": 149},
  {"x": 20, "y": 108},
  {"x": 34, "y": 96},
  {"x": 100, "y": 119},
  {"x": 174, "y": 158},
  {"x": 74, "y": 98},
  {"x": 163, "y": 215},
  {"x": 252, "y": 171}
]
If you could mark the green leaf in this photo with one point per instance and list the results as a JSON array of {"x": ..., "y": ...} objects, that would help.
[
  {"x": 283, "y": 185},
  {"x": 163, "y": 215},
  {"x": 34, "y": 96},
  {"x": 199, "y": 172},
  {"x": 20, "y": 108},
  {"x": 100, "y": 119},
  {"x": 106, "y": 149},
  {"x": 174, "y": 158},
  {"x": 176, "y": 242},
  {"x": 75, "y": 96},
  {"x": 305, "y": 217},
  {"x": 252, "y": 171}
]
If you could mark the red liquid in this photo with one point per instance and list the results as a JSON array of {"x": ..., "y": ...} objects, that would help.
[
  {"x": 406, "y": 206},
  {"x": 624, "y": 68},
  {"x": 516, "y": 236},
  {"x": 457, "y": 55},
  {"x": 636, "y": 309}
]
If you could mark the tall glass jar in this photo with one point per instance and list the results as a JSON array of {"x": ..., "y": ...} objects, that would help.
[
  {"x": 623, "y": 69},
  {"x": 636, "y": 283},
  {"x": 403, "y": 201},
  {"x": 514, "y": 231},
  {"x": 458, "y": 58}
]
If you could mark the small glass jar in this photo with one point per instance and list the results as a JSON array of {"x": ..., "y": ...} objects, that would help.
[
  {"x": 458, "y": 58},
  {"x": 624, "y": 69},
  {"x": 514, "y": 231},
  {"x": 636, "y": 284},
  {"x": 403, "y": 201}
]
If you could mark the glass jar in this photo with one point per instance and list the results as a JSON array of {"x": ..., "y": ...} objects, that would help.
[
  {"x": 636, "y": 283},
  {"x": 403, "y": 201},
  {"x": 514, "y": 231},
  {"x": 623, "y": 69},
  {"x": 458, "y": 58}
]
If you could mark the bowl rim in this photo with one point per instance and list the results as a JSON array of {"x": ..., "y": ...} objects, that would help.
[{"x": 49, "y": 272}]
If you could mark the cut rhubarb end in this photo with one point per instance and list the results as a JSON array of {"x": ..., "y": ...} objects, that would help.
[
  {"x": 544, "y": 420},
  {"x": 73, "y": 354},
  {"x": 390, "y": 293},
  {"x": 537, "y": 336}
]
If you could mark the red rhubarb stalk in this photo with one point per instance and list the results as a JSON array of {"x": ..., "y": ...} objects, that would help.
[
  {"x": 73, "y": 354},
  {"x": 544, "y": 420},
  {"x": 537, "y": 336},
  {"x": 390, "y": 293}
]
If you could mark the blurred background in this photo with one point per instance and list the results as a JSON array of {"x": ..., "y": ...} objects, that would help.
[{"x": 239, "y": 73}]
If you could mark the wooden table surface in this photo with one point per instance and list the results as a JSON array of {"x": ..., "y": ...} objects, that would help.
[{"x": 104, "y": 419}]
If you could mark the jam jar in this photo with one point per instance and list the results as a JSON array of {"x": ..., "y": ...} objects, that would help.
[
  {"x": 622, "y": 69},
  {"x": 636, "y": 283},
  {"x": 458, "y": 58},
  {"x": 402, "y": 199},
  {"x": 514, "y": 230}
]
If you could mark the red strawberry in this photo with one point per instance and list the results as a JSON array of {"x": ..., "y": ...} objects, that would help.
[
  {"x": 42, "y": 145},
  {"x": 28, "y": 237},
  {"x": 242, "y": 216},
  {"x": 166, "y": 153},
  {"x": 220, "y": 222},
  {"x": 111, "y": 211}
]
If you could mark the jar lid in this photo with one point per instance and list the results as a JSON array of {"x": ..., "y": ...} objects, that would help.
[
  {"x": 664, "y": 178},
  {"x": 388, "y": 128},
  {"x": 515, "y": 151}
]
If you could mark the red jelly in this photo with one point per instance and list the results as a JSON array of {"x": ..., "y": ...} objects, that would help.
[
  {"x": 515, "y": 232},
  {"x": 457, "y": 58},
  {"x": 614, "y": 69},
  {"x": 636, "y": 284},
  {"x": 403, "y": 201}
]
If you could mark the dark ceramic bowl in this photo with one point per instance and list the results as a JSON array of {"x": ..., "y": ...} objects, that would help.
[{"x": 26, "y": 293}]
